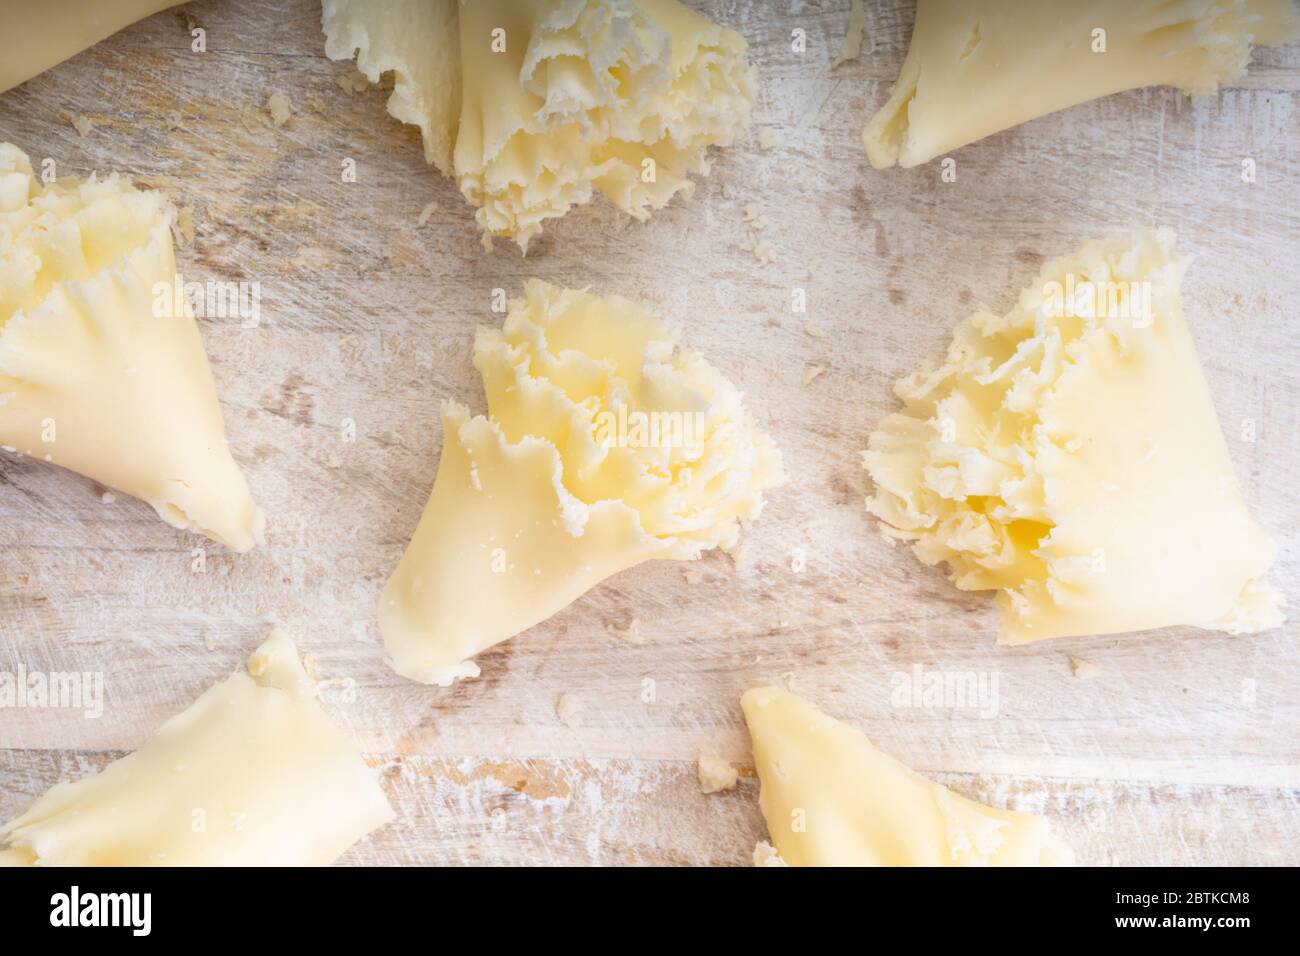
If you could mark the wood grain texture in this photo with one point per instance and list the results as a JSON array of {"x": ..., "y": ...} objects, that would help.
[{"x": 1185, "y": 750}]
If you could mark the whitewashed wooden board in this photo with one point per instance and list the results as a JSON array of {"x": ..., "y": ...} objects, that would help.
[{"x": 1186, "y": 750}]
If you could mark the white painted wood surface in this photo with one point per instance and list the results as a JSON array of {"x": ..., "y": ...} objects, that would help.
[{"x": 1185, "y": 750}]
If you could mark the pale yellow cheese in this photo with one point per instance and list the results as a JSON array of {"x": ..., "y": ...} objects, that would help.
[
  {"x": 548, "y": 103},
  {"x": 975, "y": 67},
  {"x": 39, "y": 34},
  {"x": 95, "y": 376},
  {"x": 765, "y": 855},
  {"x": 716, "y": 774},
  {"x": 558, "y": 489},
  {"x": 832, "y": 799},
  {"x": 418, "y": 42},
  {"x": 1068, "y": 455},
  {"x": 253, "y": 773}
]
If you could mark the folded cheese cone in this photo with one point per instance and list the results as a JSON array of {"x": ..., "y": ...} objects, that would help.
[
  {"x": 37, "y": 36},
  {"x": 832, "y": 799},
  {"x": 1068, "y": 455},
  {"x": 99, "y": 371},
  {"x": 556, "y": 99},
  {"x": 604, "y": 447},
  {"x": 976, "y": 67},
  {"x": 253, "y": 773}
]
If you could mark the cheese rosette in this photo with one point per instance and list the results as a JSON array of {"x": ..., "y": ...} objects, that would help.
[
  {"x": 96, "y": 378},
  {"x": 603, "y": 447},
  {"x": 548, "y": 103},
  {"x": 830, "y": 798},
  {"x": 1068, "y": 455},
  {"x": 253, "y": 773},
  {"x": 975, "y": 67}
]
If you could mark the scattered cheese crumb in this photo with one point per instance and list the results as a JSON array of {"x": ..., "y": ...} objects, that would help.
[
  {"x": 280, "y": 109},
  {"x": 716, "y": 774},
  {"x": 83, "y": 125},
  {"x": 765, "y": 855},
  {"x": 767, "y": 139},
  {"x": 752, "y": 214},
  {"x": 108, "y": 497},
  {"x": 727, "y": 191},
  {"x": 1084, "y": 669},
  {"x": 567, "y": 709},
  {"x": 631, "y": 632},
  {"x": 426, "y": 212},
  {"x": 813, "y": 331},
  {"x": 354, "y": 82},
  {"x": 851, "y": 45},
  {"x": 811, "y": 372},
  {"x": 309, "y": 665}
]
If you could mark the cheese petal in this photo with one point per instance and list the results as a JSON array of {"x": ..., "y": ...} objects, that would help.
[
  {"x": 418, "y": 42},
  {"x": 501, "y": 546},
  {"x": 832, "y": 799},
  {"x": 604, "y": 447},
  {"x": 975, "y": 67},
  {"x": 95, "y": 376},
  {"x": 1068, "y": 454},
  {"x": 253, "y": 773}
]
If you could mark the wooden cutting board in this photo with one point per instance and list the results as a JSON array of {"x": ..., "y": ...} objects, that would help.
[{"x": 1186, "y": 749}]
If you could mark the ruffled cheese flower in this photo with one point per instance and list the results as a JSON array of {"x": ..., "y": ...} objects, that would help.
[
  {"x": 1068, "y": 455},
  {"x": 975, "y": 67},
  {"x": 547, "y": 103},
  {"x": 94, "y": 376},
  {"x": 603, "y": 447}
]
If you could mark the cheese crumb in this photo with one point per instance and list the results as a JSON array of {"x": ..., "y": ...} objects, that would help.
[
  {"x": 811, "y": 373},
  {"x": 280, "y": 109},
  {"x": 813, "y": 331},
  {"x": 426, "y": 212},
  {"x": 765, "y": 855},
  {"x": 82, "y": 124},
  {"x": 716, "y": 774},
  {"x": 1084, "y": 669},
  {"x": 354, "y": 82},
  {"x": 767, "y": 139},
  {"x": 567, "y": 709}
]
